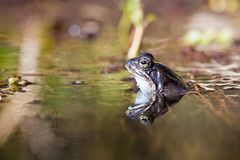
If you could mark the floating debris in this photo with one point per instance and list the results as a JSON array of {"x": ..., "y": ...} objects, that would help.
[
  {"x": 205, "y": 87},
  {"x": 212, "y": 69},
  {"x": 78, "y": 82},
  {"x": 209, "y": 76},
  {"x": 2, "y": 97},
  {"x": 35, "y": 101},
  {"x": 15, "y": 88},
  {"x": 24, "y": 82},
  {"x": 13, "y": 84},
  {"x": 232, "y": 95},
  {"x": 14, "y": 80},
  {"x": 18, "y": 80},
  {"x": 231, "y": 87}
]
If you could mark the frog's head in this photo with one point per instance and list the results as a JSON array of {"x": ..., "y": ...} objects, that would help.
[{"x": 142, "y": 67}]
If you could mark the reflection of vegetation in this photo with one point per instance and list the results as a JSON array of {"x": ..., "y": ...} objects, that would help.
[
  {"x": 133, "y": 14},
  {"x": 8, "y": 61},
  {"x": 13, "y": 144},
  {"x": 8, "y": 65},
  {"x": 86, "y": 109}
]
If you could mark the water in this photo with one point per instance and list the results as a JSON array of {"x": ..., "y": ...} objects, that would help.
[{"x": 88, "y": 121}]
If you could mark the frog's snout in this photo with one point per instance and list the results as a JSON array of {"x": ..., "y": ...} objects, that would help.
[
  {"x": 127, "y": 65},
  {"x": 131, "y": 64}
]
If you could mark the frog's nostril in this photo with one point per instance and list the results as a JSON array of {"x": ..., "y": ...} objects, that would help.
[{"x": 128, "y": 64}]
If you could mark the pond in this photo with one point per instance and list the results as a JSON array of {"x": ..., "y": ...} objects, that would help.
[{"x": 77, "y": 109}]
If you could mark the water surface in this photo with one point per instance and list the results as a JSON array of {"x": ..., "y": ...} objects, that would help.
[{"x": 88, "y": 121}]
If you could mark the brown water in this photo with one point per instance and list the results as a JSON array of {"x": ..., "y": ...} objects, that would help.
[{"x": 88, "y": 121}]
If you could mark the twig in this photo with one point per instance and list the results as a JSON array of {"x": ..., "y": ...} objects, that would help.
[{"x": 137, "y": 38}]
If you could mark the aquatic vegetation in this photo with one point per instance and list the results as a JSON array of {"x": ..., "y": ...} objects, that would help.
[
  {"x": 132, "y": 9},
  {"x": 212, "y": 76},
  {"x": 210, "y": 31},
  {"x": 223, "y": 37}
]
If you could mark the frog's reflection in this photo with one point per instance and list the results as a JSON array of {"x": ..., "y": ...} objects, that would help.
[{"x": 148, "y": 106}]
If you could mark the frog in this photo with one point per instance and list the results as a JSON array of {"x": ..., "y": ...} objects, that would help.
[
  {"x": 153, "y": 77},
  {"x": 148, "y": 107}
]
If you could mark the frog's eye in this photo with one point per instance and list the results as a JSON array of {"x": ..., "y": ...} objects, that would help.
[
  {"x": 146, "y": 119},
  {"x": 145, "y": 62}
]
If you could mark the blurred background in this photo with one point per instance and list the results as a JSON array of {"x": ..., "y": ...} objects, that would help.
[{"x": 75, "y": 50}]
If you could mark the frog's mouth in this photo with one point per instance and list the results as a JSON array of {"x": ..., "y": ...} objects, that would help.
[
  {"x": 136, "y": 73},
  {"x": 144, "y": 81}
]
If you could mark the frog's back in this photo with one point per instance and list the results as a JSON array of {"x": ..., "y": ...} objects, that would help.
[{"x": 170, "y": 75}]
